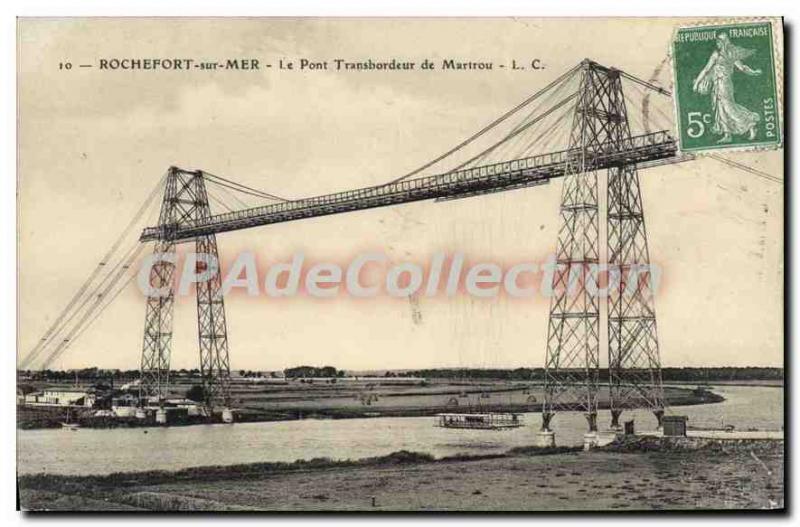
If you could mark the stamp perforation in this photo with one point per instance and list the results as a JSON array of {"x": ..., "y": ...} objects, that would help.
[{"x": 776, "y": 63}]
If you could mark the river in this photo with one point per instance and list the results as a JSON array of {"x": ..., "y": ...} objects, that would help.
[{"x": 102, "y": 451}]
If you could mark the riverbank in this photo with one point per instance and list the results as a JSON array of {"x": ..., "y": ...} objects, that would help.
[
  {"x": 674, "y": 396},
  {"x": 331, "y": 403},
  {"x": 636, "y": 474},
  {"x": 711, "y": 384}
]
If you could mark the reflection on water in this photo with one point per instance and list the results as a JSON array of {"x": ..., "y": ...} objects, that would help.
[{"x": 119, "y": 450}]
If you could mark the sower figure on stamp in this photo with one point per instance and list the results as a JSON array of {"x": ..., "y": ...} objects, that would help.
[{"x": 730, "y": 118}]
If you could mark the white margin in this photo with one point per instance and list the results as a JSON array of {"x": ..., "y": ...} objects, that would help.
[{"x": 13, "y": 8}]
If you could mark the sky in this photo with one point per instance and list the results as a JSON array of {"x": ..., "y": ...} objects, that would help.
[{"x": 93, "y": 144}]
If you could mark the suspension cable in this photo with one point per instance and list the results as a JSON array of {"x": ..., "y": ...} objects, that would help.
[
  {"x": 242, "y": 188},
  {"x": 100, "y": 311},
  {"x": 87, "y": 299},
  {"x": 646, "y": 84},
  {"x": 514, "y": 134},
  {"x": 488, "y": 127},
  {"x": 218, "y": 200},
  {"x": 234, "y": 197},
  {"x": 120, "y": 270},
  {"x": 34, "y": 352},
  {"x": 746, "y": 168},
  {"x": 548, "y": 130},
  {"x": 650, "y": 111}
]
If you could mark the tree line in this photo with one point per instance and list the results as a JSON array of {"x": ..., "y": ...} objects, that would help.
[{"x": 670, "y": 374}]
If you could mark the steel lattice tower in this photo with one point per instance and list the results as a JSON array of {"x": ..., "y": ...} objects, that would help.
[
  {"x": 634, "y": 365},
  {"x": 572, "y": 367},
  {"x": 159, "y": 310},
  {"x": 185, "y": 202}
]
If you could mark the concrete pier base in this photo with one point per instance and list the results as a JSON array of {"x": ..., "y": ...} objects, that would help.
[
  {"x": 227, "y": 415},
  {"x": 545, "y": 439},
  {"x": 590, "y": 440},
  {"x": 161, "y": 416}
]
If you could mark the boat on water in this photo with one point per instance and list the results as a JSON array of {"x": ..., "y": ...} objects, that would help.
[
  {"x": 68, "y": 423},
  {"x": 479, "y": 421}
]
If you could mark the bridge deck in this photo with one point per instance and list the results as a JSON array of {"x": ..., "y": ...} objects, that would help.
[{"x": 496, "y": 177}]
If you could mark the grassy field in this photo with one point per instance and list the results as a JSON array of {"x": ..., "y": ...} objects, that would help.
[
  {"x": 645, "y": 474},
  {"x": 340, "y": 401}
]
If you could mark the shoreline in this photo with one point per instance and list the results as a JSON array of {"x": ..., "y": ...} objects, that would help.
[{"x": 712, "y": 384}]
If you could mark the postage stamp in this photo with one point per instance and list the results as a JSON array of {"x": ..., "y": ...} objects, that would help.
[{"x": 726, "y": 91}]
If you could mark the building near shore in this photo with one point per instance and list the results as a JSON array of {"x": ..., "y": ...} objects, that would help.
[
  {"x": 124, "y": 406},
  {"x": 62, "y": 398}
]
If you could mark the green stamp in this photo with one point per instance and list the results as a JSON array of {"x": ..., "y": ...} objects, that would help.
[{"x": 726, "y": 90}]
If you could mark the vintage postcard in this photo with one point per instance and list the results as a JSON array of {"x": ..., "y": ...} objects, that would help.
[{"x": 400, "y": 264}]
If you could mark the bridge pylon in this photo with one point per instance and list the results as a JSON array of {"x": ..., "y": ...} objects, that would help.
[
  {"x": 572, "y": 365},
  {"x": 185, "y": 202}
]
